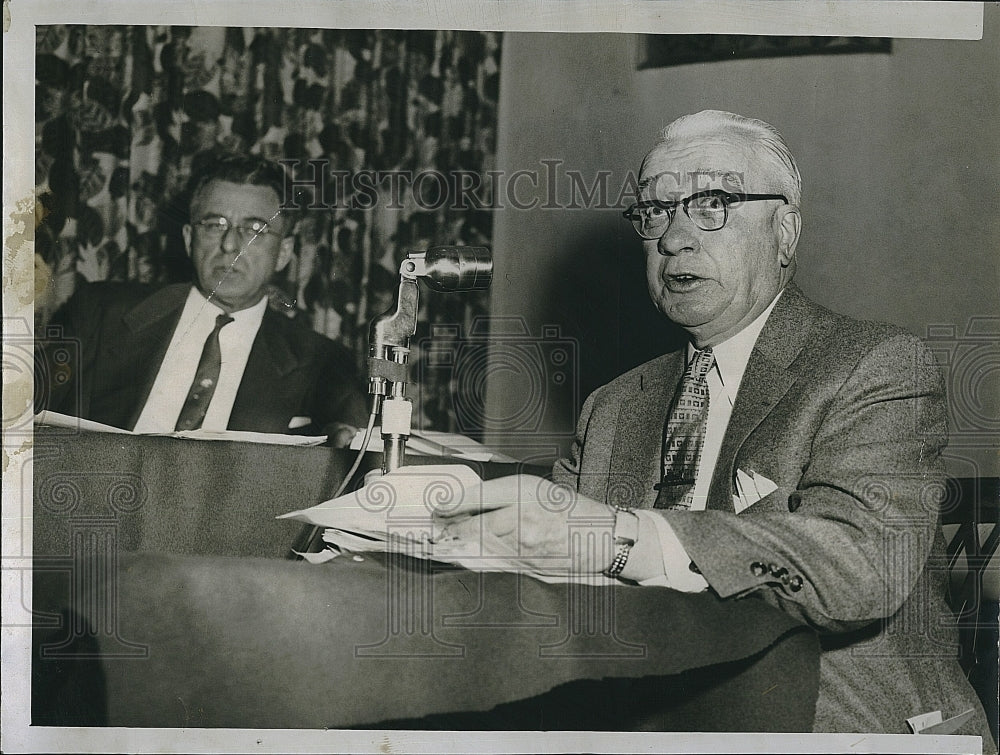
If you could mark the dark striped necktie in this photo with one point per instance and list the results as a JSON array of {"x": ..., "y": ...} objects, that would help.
[
  {"x": 205, "y": 379},
  {"x": 684, "y": 435}
]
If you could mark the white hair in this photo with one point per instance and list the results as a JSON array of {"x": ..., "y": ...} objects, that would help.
[{"x": 764, "y": 140}]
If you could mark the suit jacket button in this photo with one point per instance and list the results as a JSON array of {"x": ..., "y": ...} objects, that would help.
[
  {"x": 758, "y": 569},
  {"x": 795, "y": 584},
  {"x": 778, "y": 572},
  {"x": 694, "y": 568}
]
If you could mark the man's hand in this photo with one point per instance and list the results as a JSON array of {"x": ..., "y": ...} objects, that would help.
[
  {"x": 340, "y": 435},
  {"x": 550, "y": 528}
]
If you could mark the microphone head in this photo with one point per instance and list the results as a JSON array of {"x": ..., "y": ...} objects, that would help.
[{"x": 458, "y": 268}]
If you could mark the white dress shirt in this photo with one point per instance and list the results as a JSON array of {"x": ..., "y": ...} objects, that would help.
[
  {"x": 731, "y": 357},
  {"x": 170, "y": 389}
]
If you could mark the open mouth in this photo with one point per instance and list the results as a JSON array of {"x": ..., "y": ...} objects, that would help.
[{"x": 683, "y": 281}]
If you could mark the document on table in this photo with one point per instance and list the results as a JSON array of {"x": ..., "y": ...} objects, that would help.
[
  {"x": 245, "y": 436},
  {"x": 435, "y": 443},
  {"x": 396, "y": 513},
  {"x": 55, "y": 419}
]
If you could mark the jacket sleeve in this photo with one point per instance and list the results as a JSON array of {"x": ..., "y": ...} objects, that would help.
[
  {"x": 566, "y": 471},
  {"x": 847, "y": 545},
  {"x": 338, "y": 398}
]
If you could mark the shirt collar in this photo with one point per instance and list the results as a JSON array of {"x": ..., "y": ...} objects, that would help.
[
  {"x": 732, "y": 355},
  {"x": 209, "y": 309}
]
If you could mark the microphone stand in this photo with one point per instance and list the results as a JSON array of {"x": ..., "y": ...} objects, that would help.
[
  {"x": 387, "y": 368},
  {"x": 445, "y": 269}
]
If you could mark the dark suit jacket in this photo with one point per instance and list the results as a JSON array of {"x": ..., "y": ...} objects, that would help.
[
  {"x": 113, "y": 338},
  {"x": 848, "y": 419}
]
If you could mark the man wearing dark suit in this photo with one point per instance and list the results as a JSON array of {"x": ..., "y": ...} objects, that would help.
[
  {"x": 815, "y": 481},
  {"x": 142, "y": 349}
]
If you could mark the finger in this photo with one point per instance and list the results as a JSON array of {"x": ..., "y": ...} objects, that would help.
[{"x": 499, "y": 493}]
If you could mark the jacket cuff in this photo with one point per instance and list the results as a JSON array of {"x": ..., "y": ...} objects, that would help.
[{"x": 677, "y": 566}]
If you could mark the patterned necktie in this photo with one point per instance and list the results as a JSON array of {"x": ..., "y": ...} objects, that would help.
[
  {"x": 684, "y": 435},
  {"x": 205, "y": 378}
]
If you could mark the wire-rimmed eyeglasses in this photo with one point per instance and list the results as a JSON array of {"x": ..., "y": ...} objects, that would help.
[
  {"x": 709, "y": 210},
  {"x": 216, "y": 226}
]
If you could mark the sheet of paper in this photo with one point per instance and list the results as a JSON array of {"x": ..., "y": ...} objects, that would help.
[
  {"x": 244, "y": 436},
  {"x": 403, "y": 500},
  {"x": 465, "y": 445},
  {"x": 55, "y": 419}
]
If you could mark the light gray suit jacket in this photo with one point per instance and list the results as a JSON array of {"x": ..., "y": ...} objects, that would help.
[{"x": 848, "y": 419}]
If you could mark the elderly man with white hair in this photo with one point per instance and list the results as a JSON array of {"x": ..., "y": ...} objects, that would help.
[{"x": 786, "y": 454}]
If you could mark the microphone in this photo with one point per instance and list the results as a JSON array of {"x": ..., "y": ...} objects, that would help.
[
  {"x": 451, "y": 268},
  {"x": 445, "y": 269}
]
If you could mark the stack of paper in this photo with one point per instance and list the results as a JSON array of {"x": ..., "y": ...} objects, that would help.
[
  {"x": 435, "y": 443},
  {"x": 415, "y": 510}
]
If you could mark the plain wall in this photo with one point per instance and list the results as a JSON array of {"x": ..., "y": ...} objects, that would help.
[{"x": 899, "y": 155}]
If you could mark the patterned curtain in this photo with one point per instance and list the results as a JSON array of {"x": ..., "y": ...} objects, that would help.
[{"x": 391, "y": 119}]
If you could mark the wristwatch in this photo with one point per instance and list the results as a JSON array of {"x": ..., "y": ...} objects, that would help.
[{"x": 625, "y": 533}]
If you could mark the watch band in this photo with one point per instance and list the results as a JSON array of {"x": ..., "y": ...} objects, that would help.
[
  {"x": 625, "y": 533},
  {"x": 620, "y": 559}
]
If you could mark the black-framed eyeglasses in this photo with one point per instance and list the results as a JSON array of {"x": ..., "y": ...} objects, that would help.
[
  {"x": 216, "y": 226},
  {"x": 709, "y": 210}
]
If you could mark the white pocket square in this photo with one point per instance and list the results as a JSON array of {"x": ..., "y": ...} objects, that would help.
[
  {"x": 751, "y": 487},
  {"x": 296, "y": 422}
]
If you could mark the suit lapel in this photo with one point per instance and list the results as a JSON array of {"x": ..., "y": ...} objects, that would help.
[
  {"x": 159, "y": 306},
  {"x": 271, "y": 359},
  {"x": 638, "y": 444},
  {"x": 767, "y": 379},
  {"x": 152, "y": 321}
]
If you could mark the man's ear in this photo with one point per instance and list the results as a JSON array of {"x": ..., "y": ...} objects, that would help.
[
  {"x": 186, "y": 233},
  {"x": 285, "y": 253},
  {"x": 788, "y": 224}
]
